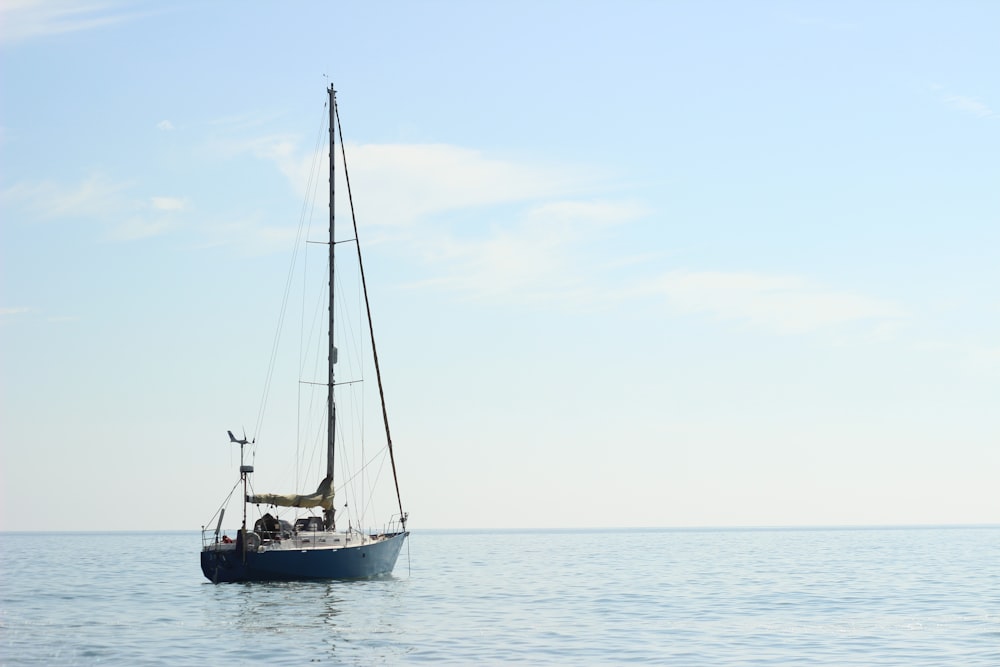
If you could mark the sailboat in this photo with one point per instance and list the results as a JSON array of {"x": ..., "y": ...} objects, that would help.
[{"x": 309, "y": 546}]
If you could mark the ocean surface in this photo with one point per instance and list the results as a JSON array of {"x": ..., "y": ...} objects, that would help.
[{"x": 894, "y": 596}]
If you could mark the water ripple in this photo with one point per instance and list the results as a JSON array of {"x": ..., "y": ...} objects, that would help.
[{"x": 753, "y": 597}]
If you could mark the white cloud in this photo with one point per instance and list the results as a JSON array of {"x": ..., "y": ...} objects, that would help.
[
  {"x": 96, "y": 199},
  {"x": 969, "y": 105},
  {"x": 780, "y": 304},
  {"x": 546, "y": 248},
  {"x": 505, "y": 265},
  {"x": 593, "y": 212},
  {"x": 165, "y": 125},
  {"x": 249, "y": 235},
  {"x": 7, "y": 312},
  {"x": 245, "y": 121},
  {"x": 432, "y": 178},
  {"x": 982, "y": 358},
  {"x": 398, "y": 184},
  {"x": 539, "y": 255},
  {"x": 971, "y": 357},
  {"x": 135, "y": 228},
  {"x": 168, "y": 204},
  {"x": 23, "y": 20}
]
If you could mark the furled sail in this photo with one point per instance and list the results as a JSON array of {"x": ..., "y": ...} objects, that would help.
[{"x": 322, "y": 498}]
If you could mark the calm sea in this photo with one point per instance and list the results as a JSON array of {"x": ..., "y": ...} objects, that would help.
[{"x": 924, "y": 596}]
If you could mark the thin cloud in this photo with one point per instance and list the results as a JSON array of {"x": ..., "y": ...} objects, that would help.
[
  {"x": 398, "y": 187},
  {"x": 250, "y": 236},
  {"x": 964, "y": 103},
  {"x": 971, "y": 105},
  {"x": 168, "y": 203},
  {"x": 971, "y": 357},
  {"x": 165, "y": 125},
  {"x": 409, "y": 182},
  {"x": 243, "y": 122},
  {"x": 779, "y": 304},
  {"x": 593, "y": 213},
  {"x": 413, "y": 196},
  {"x": 24, "y": 20},
  {"x": 982, "y": 358},
  {"x": 136, "y": 228},
  {"x": 541, "y": 256},
  {"x": 431, "y": 178},
  {"x": 18, "y": 310},
  {"x": 502, "y": 266},
  {"x": 98, "y": 200},
  {"x": 96, "y": 196}
]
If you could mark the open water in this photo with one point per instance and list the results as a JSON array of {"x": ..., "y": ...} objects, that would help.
[{"x": 903, "y": 596}]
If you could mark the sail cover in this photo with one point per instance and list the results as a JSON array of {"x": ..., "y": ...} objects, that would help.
[{"x": 322, "y": 498}]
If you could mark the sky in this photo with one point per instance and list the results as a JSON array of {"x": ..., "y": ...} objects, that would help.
[{"x": 631, "y": 264}]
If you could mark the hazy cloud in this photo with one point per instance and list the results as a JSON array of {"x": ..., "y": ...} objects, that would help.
[
  {"x": 396, "y": 186},
  {"x": 168, "y": 204},
  {"x": 135, "y": 228},
  {"x": 969, "y": 105},
  {"x": 781, "y": 304},
  {"x": 96, "y": 199},
  {"x": 23, "y": 20},
  {"x": 971, "y": 357},
  {"x": 165, "y": 125},
  {"x": 250, "y": 235},
  {"x": 96, "y": 196},
  {"x": 541, "y": 254},
  {"x": 406, "y": 182},
  {"x": 983, "y": 358}
]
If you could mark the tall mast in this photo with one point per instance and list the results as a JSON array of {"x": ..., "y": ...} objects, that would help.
[
  {"x": 371, "y": 327},
  {"x": 332, "y": 351}
]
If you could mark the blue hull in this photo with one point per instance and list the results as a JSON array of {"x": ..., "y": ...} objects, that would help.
[{"x": 355, "y": 562}]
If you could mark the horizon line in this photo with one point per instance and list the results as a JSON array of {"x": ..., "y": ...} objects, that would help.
[{"x": 571, "y": 529}]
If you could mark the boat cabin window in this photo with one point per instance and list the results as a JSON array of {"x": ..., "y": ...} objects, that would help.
[
  {"x": 309, "y": 524},
  {"x": 268, "y": 527}
]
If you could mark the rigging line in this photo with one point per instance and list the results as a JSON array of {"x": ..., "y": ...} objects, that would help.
[
  {"x": 319, "y": 430},
  {"x": 370, "y": 492},
  {"x": 347, "y": 457},
  {"x": 224, "y": 502},
  {"x": 335, "y": 384},
  {"x": 371, "y": 328},
  {"x": 351, "y": 333},
  {"x": 350, "y": 432},
  {"x": 313, "y": 429},
  {"x": 317, "y": 310},
  {"x": 310, "y": 188},
  {"x": 377, "y": 455},
  {"x": 304, "y": 357},
  {"x": 281, "y": 315},
  {"x": 315, "y": 356}
]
